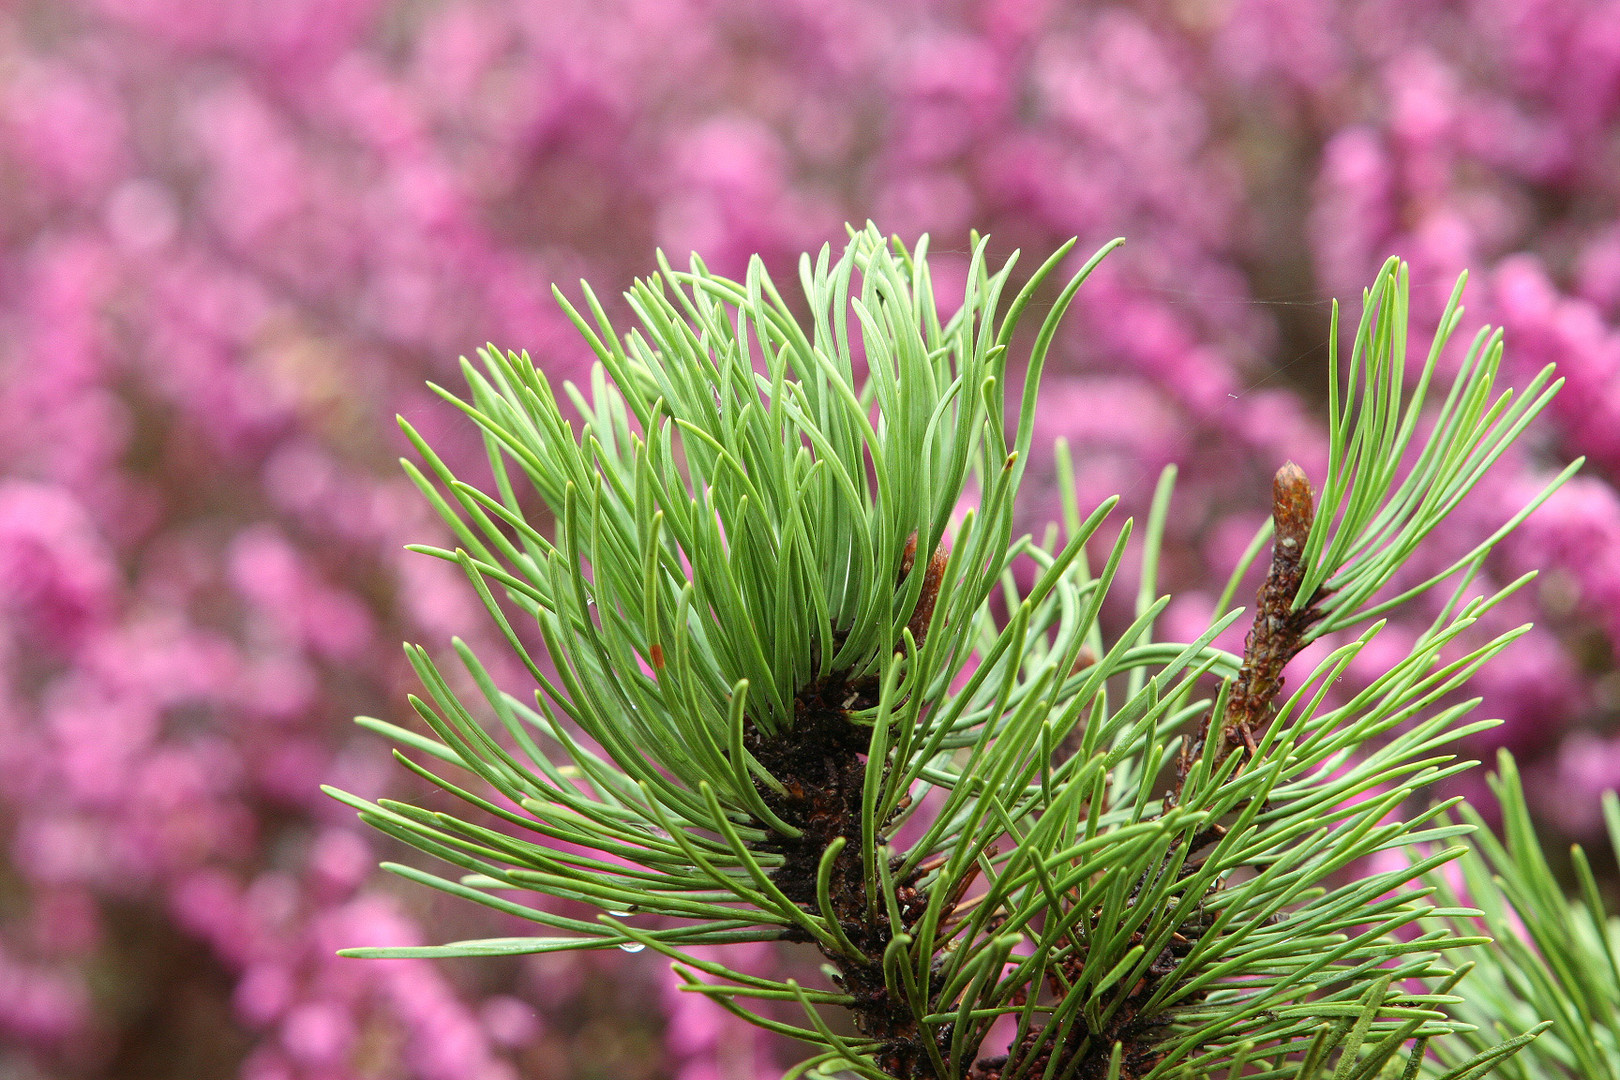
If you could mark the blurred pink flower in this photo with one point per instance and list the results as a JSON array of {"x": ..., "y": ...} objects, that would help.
[{"x": 239, "y": 237}]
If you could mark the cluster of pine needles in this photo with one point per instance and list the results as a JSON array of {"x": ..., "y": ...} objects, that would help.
[{"x": 795, "y": 679}]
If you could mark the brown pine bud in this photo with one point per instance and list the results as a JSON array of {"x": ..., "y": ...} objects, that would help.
[
  {"x": 933, "y": 575},
  {"x": 1293, "y": 508}
]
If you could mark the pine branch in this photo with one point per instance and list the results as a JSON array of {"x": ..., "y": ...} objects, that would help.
[{"x": 756, "y": 681}]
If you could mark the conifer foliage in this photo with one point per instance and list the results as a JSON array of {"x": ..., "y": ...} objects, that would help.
[{"x": 791, "y": 690}]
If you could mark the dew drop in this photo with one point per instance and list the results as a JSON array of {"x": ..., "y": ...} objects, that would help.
[{"x": 631, "y": 946}]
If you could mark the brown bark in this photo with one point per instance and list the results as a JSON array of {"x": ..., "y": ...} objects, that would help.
[{"x": 1277, "y": 635}]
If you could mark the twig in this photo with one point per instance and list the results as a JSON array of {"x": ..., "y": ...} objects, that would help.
[{"x": 1275, "y": 638}]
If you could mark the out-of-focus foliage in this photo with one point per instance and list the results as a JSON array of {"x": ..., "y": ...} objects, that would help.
[
  {"x": 237, "y": 237},
  {"x": 1556, "y": 957}
]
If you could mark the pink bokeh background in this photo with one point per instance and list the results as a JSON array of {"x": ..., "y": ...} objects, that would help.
[{"x": 236, "y": 237}]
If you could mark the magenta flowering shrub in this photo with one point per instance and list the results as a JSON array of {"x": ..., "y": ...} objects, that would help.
[{"x": 237, "y": 237}]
